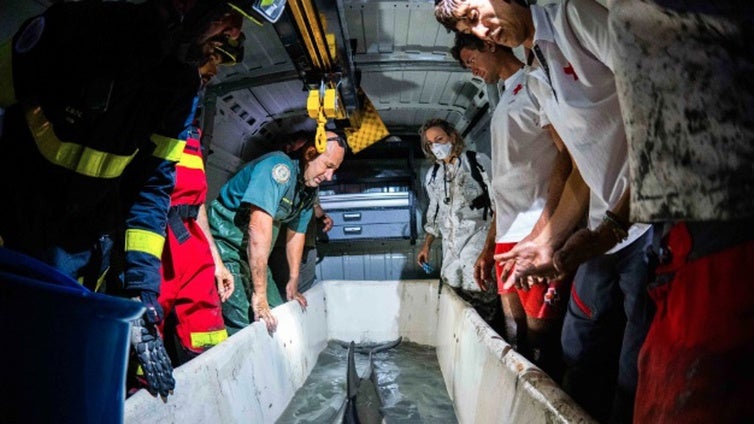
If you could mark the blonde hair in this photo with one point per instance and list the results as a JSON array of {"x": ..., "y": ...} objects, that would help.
[{"x": 455, "y": 136}]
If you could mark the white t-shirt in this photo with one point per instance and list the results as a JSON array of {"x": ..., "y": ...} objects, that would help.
[
  {"x": 522, "y": 158},
  {"x": 581, "y": 100}
]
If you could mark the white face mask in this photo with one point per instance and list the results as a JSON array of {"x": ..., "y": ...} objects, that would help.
[{"x": 441, "y": 151}]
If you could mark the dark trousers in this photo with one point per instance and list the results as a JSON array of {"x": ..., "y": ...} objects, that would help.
[{"x": 607, "y": 319}]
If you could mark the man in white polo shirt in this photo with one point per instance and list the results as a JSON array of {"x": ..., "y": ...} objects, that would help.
[
  {"x": 529, "y": 167},
  {"x": 569, "y": 42}
]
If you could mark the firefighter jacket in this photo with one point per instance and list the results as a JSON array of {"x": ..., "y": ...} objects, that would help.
[{"x": 94, "y": 108}]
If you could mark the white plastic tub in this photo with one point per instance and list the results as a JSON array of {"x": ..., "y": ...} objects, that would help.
[{"x": 251, "y": 377}]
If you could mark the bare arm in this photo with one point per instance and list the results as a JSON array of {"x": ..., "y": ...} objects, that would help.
[
  {"x": 537, "y": 253},
  {"x": 423, "y": 256},
  {"x": 294, "y": 250},
  {"x": 223, "y": 277},
  {"x": 484, "y": 267},
  {"x": 258, "y": 251},
  {"x": 562, "y": 167},
  {"x": 586, "y": 244}
]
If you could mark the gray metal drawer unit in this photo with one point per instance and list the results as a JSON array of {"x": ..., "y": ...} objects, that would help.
[{"x": 370, "y": 216}]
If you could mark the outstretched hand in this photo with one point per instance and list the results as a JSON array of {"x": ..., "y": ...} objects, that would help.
[
  {"x": 526, "y": 255},
  {"x": 581, "y": 246}
]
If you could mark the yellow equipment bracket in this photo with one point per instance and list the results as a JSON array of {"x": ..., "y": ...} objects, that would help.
[
  {"x": 323, "y": 103},
  {"x": 368, "y": 130}
]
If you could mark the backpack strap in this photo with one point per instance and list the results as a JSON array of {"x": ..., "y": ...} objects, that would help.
[
  {"x": 483, "y": 200},
  {"x": 434, "y": 171},
  {"x": 434, "y": 174}
]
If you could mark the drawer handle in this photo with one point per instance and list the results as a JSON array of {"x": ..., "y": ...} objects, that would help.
[
  {"x": 352, "y": 230},
  {"x": 353, "y": 216}
]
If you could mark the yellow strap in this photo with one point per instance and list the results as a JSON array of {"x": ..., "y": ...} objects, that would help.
[
  {"x": 244, "y": 14},
  {"x": 144, "y": 241},
  {"x": 208, "y": 339},
  {"x": 80, "y": 159},
  {"x": 191, "y": 162},
  {"x": 7, "y": 92},
  {"x": 168, "y": 148}
]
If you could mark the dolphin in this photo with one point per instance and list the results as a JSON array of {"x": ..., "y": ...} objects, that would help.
[{"x": 362, "y": 404}]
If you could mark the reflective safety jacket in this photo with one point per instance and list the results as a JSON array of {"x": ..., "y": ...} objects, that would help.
[{"x": 94, "y": 110}]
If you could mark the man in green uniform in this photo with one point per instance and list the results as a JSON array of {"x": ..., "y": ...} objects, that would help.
[{"x": 246, "y": 217}]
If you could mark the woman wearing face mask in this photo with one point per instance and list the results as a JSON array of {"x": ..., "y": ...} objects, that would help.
[{"x": 459, "y": 212}]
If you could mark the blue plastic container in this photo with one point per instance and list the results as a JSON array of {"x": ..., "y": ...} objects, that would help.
[{"x": 64, "y": 349}]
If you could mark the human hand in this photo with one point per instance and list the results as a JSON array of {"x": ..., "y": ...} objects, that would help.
[
  {"x": 263, "y": 312},
  {"x": 525, "y": 256},
  {"x": 484, "y": 270},
  {"x": 224, "y": 280},
  {"x": 292, "y": 293},
  {"x": 327, "y": 223},
  {"x": 583, "y": 245},
  {"x": 423, "y": 256}
]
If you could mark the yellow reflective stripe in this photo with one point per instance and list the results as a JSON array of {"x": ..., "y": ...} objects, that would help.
[
  {"x": 80, "y": 159},
  {"x": 286, "y": 200},
  {"x": 191, "y": 162},
  {"x": 208, "y": 339},
  {"x": 168, "y": 148},
  {"x": 144, "y": 241},
  {"x": 7, "y": 92},
  {"x": 244, "y": 14}
]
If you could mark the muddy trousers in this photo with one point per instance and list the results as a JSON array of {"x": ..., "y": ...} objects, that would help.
[
  {"x": 606, "y": 321},
  {"x": 695, "y": 365}
]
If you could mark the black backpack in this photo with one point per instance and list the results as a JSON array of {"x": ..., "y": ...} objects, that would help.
[{"x": 483, "y": 200}]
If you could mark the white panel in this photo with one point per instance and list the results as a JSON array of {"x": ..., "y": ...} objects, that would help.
[{"x": 354, "y": 319}]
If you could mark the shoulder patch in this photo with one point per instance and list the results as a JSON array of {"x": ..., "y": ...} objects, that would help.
[
  {"x": 30, "y": 35},
  {"x": 281, "y": 173}
]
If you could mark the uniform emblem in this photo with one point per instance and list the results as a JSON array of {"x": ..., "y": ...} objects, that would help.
[
  {"x": 31, "y": 35},
  {"x": 281, "y": 173}
]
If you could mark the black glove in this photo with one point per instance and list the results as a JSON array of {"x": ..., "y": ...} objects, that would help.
[{"x": 151, "y": 354}]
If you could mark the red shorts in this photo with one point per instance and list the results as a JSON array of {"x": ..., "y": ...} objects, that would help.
[
  {"x": 692, "y": 366},
  {"x": 541, "y": 301}
]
